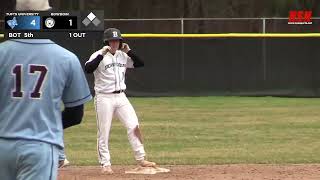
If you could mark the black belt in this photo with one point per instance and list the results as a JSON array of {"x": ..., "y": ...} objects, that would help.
[{"x": 118, "y": 92}]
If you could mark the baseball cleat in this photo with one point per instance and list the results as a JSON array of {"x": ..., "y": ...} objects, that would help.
[
  {"x": 106, "y": 170},
  {"x": 145, "y": 163},
  {"x": 64, "y": 163}
]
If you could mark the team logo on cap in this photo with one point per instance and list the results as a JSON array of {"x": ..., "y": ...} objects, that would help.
[{"x": 115, "y": 34}]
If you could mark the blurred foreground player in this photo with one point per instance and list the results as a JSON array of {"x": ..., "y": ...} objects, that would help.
[
  {"x": 35, "y": 76},
  {"x": 109, "y": 66}
]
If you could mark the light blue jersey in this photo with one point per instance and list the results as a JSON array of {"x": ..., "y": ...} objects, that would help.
[{"x": 35, "y": 75}]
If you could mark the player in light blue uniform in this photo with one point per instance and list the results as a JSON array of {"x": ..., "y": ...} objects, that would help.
[{"x": 35, "y": 76}]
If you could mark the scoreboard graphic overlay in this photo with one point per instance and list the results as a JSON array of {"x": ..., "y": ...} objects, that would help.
[{"x": 51, "y": 25}]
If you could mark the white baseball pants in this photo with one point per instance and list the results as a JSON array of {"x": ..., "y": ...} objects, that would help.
[{"x": 106, "y": 106}]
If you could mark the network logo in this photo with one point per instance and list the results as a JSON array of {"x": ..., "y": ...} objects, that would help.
[
  {"x": 300, "y": 17},
  {"x": 91, "y": 18},
  {"x": 12, "y": 23}
]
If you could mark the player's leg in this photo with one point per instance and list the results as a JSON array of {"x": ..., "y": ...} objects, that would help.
[
  {"x": 128, "y": 117},
  {"x": 104, "y": 111},
  {"x": 36, "y": 160},
  {"x": 7, "y": 159}
]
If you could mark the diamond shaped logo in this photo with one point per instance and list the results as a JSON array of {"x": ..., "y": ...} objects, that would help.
[
  {"x": 91, "y": 16},
  {"x": 96, "y": 21},
  {"x": 86, "y": 21}
]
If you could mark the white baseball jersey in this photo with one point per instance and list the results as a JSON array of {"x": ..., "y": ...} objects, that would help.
[{"x": 110, "y": 74}]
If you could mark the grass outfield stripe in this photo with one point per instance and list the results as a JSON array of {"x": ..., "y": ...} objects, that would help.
[
  {"x": 225, "y": 35},
  {"x": 209, "y": 130}
]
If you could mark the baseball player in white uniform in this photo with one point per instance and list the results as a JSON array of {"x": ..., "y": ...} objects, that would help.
[{"x": 109, "y": 66}]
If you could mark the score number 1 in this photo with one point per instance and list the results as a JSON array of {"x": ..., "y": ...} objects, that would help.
[
  {"x": 59, "y": 22},
  {"x": 70, "y": 22}
]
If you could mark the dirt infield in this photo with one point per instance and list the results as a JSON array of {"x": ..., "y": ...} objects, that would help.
[{"x": 224, "y": 172}]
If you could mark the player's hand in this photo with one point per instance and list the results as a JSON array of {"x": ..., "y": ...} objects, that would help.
[
  {"x": 125, "y": 48},
  {"x": 105, "y": 50}
]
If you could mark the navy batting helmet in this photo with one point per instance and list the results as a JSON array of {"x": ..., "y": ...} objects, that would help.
[{"x": 112, "y": 34}]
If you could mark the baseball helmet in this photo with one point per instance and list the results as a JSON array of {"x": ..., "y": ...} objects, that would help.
[{"x": 112, "y": 34}]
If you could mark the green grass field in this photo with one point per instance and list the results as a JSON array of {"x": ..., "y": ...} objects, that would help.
[{"x": 209, "y": 130}]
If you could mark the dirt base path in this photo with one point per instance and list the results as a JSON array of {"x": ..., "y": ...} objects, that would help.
[{"x": 202, "y": 172}]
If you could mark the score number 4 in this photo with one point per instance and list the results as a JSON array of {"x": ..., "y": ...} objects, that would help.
[{"x": 33, "y": 22}]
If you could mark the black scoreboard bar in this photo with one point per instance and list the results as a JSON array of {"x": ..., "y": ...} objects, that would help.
[
  {"x": 75, "y": 24},
  {"x": 60, "y": 22}
]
